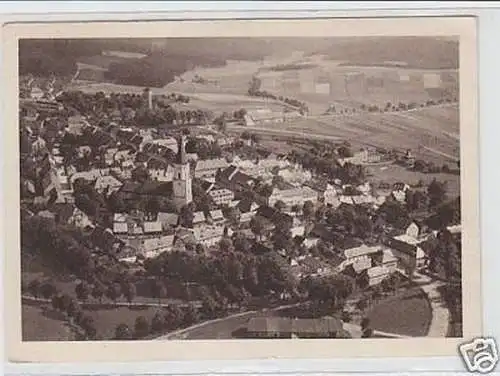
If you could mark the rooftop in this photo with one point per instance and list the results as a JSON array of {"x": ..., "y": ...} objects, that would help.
[
  {"x": 360, "y": 251},
  {"x": 292, "y": 325}
]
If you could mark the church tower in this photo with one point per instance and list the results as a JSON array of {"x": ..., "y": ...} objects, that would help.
[{"x": 182, "y": 184}]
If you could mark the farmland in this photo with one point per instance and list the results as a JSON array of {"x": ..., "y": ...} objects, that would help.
[{"x": 435, "y": 128}]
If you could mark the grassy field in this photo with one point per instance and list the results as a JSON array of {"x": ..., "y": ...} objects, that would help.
[
  {"x": 40, "y": 324},
  {"x": 393, "y": 173},
  {"x": 407, "y": 314},
  {"x": 106, "y": 320},
  {"x": 223, "y": 329}
]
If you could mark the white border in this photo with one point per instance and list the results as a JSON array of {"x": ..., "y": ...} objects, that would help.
[{"x": 489, "y": 20}]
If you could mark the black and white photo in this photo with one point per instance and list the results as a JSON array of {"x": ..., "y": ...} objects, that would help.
[{"x": 243, "y": 188}]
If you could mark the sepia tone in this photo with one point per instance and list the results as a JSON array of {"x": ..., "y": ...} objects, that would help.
[{"x": 243, "y": 188}]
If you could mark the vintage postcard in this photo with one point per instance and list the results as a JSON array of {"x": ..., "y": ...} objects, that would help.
[{"x": 188, "y": 190}]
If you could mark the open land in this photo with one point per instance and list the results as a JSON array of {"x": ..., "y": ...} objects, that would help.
[
  {"x": 40, "y": 324},
  {"x": 408, "y": 314}
]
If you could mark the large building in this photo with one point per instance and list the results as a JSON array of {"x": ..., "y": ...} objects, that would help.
[
  {"x": 285, "y": 327},
  {"x": 293, "y": 196}
]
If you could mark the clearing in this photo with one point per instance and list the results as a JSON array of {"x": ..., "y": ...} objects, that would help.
[
  {"x": 42, "y": 324},
  {"x": 408, "y": 313}
]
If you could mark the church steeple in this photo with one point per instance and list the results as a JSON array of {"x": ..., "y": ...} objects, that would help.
[
  {"x": 181, "y": 152},
  {"x": 182, "y": 182}
]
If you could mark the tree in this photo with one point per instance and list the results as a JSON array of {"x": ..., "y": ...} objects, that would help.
[
  {"x": 56, "y": 302},
  {"x": 282, "y": 239},
  {"x": 158, "y": 322},
  {"x": 88, "y": 325},
  {"x": 367, "y": 333},
  {"x": 113, "y": 292},
  {"x": 153, "y": 207},
  {"x": 98, "y": 292},
  {"x": 82, "y": 291},
  {"x": 47, "y": 290},
  {"x": 209, "y": 306},
  {"x": 245, "y": 135},
  {"x": 122, "y": 331},
  {"x": 280, "y": 205},
  {"x": 226, "y": 245},
  {"x": 257, "y": 226},
  {"x": 140, "y": 174},
  {"x": 141, "y": 327},
  {"x": 173, "y": 317},
  {"x": 72, "y": 308},
  {"x": 437, "y": 193},
  {"x": 344, "y": 152},
  {"x": 191, "y": 315},
  {"x": 158, "y": 290},
  {"x": 186, "y": 216},
  {"x": 255, "y": 138},
  {"x": 308, "y": 209},
  {"x": 34, "y": 288},
  {"x": 129, "y": 291}
]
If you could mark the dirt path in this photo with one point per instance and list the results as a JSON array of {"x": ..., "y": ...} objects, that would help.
[
  {"x": 107, "y": 304},
  {"x": 440, "y": 313}
]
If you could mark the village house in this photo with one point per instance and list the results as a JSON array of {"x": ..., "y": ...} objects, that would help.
[
  {"x": 208, "y": 234},
  {"x": 359, "y": 257},
  {"x": 79, "y": 219},
  {"x": 107, "y": 184},
  {"x": 207, "y": 169},
  {"x": 199, "y": 219},
  {"x": 168, "y": 219},
  {"x": 295, "y": 175},
  {"x": 221, "y": 196},
  {"x": 164, "y": 143},
  {"x": 263, "y": 116},
  {"x": 330, "y": 196},
  {"x": 162, "y": 174},
  {"x": 389, "y": 261},
  {"x": 406, "y": 248},
  {"x": 235, "y": 180},
  {"x": 363, "y": 156},
  {"x": 374, "y": 275},
  {"x": 153, "y": 247},
  {"x": 217, "y": 218},
  {"x": 36, "y": 93},
  {"x": 399, "y": 191},
  {"x": 248, "y": 210}
]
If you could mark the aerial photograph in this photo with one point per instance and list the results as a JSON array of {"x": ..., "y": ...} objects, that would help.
[{"x": 239, "y": 188}]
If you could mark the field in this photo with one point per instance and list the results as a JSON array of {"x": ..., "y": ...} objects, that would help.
[
  {"x": 106, "y": 320},
  {"x": 406, "y": 314},
  {"x": 39, "y": 324},
  {"x": 222, "y": 329},
  {"x": 393, "y": 173},
  {"x": 217, "y": 102},
  {"x": 431, "y": 133}
]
